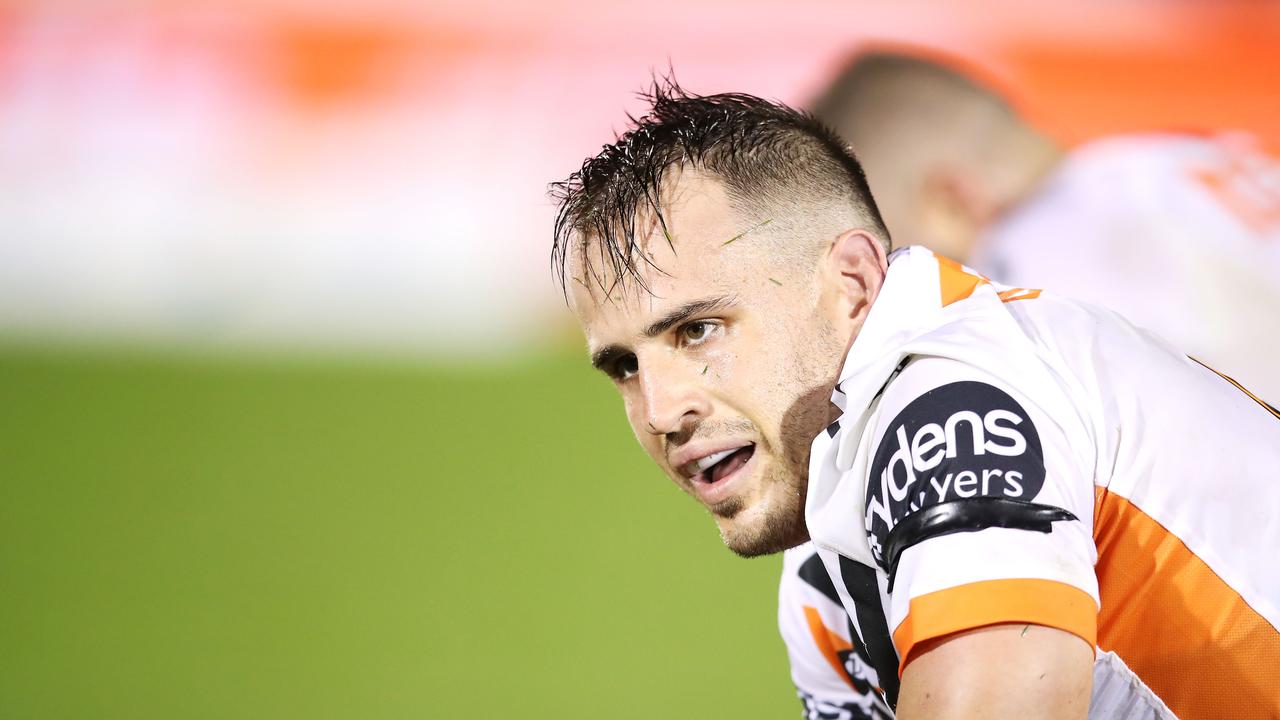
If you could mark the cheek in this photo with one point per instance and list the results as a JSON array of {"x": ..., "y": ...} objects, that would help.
[
  {"x": 758, "y": 362},
  {"x": 800, "y": 356},
  {"x": 721, "y": 364},
  {"x": 633, "y": 417},
  {"x": 639, "y": 428}
]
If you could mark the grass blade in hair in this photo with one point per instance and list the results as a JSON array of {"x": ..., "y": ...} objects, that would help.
[{"x": 740, "y": 235}]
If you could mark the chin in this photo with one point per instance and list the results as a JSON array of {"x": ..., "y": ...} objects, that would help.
[{"x": 764, "y": 528}]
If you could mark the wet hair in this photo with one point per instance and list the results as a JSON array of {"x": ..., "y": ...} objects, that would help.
[{"x": 766, "y": 154}]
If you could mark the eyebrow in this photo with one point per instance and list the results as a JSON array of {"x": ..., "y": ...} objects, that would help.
[{"x": 604, "y": 356}]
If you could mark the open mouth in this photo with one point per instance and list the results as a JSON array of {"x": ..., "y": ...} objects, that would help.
[{"x": 717, "y": 466}]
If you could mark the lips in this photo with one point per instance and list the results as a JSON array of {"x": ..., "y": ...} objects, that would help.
[
  {"x": 723, "y": 464},
  {"x": 712, "y": 459},
  {"x": 699, "y": 458}
]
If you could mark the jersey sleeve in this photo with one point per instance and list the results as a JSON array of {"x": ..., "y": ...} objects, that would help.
[
  {"x": 979, "y": 507},
  {"x": 831, "y": 675}
]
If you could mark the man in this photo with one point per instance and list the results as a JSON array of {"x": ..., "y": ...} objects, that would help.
[
  {"x": 1180, "y": 233},
  {"x": 1012, "y": 498}
]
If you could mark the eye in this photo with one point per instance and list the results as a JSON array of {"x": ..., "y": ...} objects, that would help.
[
  {"x": 625, "y": 367},
  {"x": 697, "y": 332}
]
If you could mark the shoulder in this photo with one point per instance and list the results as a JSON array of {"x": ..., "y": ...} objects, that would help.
[
  {"x": 1158, "y": 180},
  {"x": 1150, "y": 157},
  {"x": 977, "y": 499},
  {"x": 1114, "y": 186},
  {"x": 937, "y": 394},
  {"x": 947, "y": 431}
]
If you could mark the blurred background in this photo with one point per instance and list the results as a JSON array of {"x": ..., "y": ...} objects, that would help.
[{"x": 293, "y": 420}]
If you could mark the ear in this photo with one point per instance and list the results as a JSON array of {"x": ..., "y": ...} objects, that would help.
[
  {"x": 954, "y": 206},
  {"x": 855, "y": 272}
]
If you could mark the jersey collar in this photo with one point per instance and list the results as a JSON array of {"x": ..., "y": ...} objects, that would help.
[{"x": 908, "y": 304}]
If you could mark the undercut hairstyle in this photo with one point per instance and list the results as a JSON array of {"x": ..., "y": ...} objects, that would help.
[{"x": 767, "y": 155}]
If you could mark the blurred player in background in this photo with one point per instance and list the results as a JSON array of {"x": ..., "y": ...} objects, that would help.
[
  {"x": 1178, "y": 232},
  {"x": 1014, "y": 500}
]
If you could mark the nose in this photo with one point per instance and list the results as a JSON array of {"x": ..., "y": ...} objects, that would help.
[{"x": 673, "y": 395}]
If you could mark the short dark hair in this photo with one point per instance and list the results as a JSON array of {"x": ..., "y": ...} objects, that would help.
[{"x": 762, "y": 151}]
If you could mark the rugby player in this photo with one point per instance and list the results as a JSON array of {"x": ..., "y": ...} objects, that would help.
[
  {"x": 1018, "y": 505},
  {"x": 1177, "y": 231}
]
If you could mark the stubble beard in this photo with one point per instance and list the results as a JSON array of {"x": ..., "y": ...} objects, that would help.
[
  {"x": 778, "y": 523},
  {"x": 780, "y": 513}
]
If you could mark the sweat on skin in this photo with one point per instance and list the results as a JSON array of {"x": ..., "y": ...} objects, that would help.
[{"x": 733, "y": 342}]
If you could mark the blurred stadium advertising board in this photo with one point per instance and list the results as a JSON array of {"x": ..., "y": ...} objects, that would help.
[{"x": 372, "y": 175}]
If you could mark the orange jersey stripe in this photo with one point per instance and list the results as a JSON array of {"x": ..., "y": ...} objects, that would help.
[
  {"x": 955, "y": 281},
  {"x": 829, "y": 643},
  {"x": 1189, "y": 636},
  {"x": 965, "y": 607},
  {"x": 1013, "y": 294}
]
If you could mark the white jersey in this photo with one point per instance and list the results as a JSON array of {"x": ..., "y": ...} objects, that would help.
[
  {"x": 1180, "y": 234},
  {"x": 1006, "y": 455},
  {"x": 833, "y": 674}
]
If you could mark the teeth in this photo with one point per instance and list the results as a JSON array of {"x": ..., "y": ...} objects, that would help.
[{"x": 710, "y": 460}]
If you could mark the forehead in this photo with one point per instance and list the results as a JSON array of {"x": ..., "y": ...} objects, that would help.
[{"x": 706, "y": 247}]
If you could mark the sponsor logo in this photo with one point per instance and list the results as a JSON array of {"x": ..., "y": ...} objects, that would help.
[{"x": 959, "y": 441}]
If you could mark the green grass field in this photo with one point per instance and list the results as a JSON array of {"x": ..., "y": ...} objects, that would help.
[{"x": 187, "y": 538}]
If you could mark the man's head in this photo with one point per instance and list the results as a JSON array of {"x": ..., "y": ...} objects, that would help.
[
  {"x": 945, "y": 154},
  {"x": 721, "y": 256}
]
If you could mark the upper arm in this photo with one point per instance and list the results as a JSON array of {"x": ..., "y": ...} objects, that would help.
[
  {"x": 979, "y": 508},
  {"x": 1022, "y": 671}
]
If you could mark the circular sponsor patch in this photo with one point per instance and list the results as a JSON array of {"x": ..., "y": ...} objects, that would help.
[{"x": 959, "y": 441}]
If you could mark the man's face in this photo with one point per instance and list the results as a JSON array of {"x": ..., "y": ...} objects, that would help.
[{"x": 725, "y": 364}]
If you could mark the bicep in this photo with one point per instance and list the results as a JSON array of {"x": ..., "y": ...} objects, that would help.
[{"x": 1008, "y": 670}]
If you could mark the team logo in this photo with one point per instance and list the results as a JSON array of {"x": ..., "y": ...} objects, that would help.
[{"x": 957, "y": 442}]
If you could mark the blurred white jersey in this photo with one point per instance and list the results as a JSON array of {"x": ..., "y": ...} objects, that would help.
[
  {"x": 1178, "y": 233},
  {"x": 1009, "y": 456}
]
